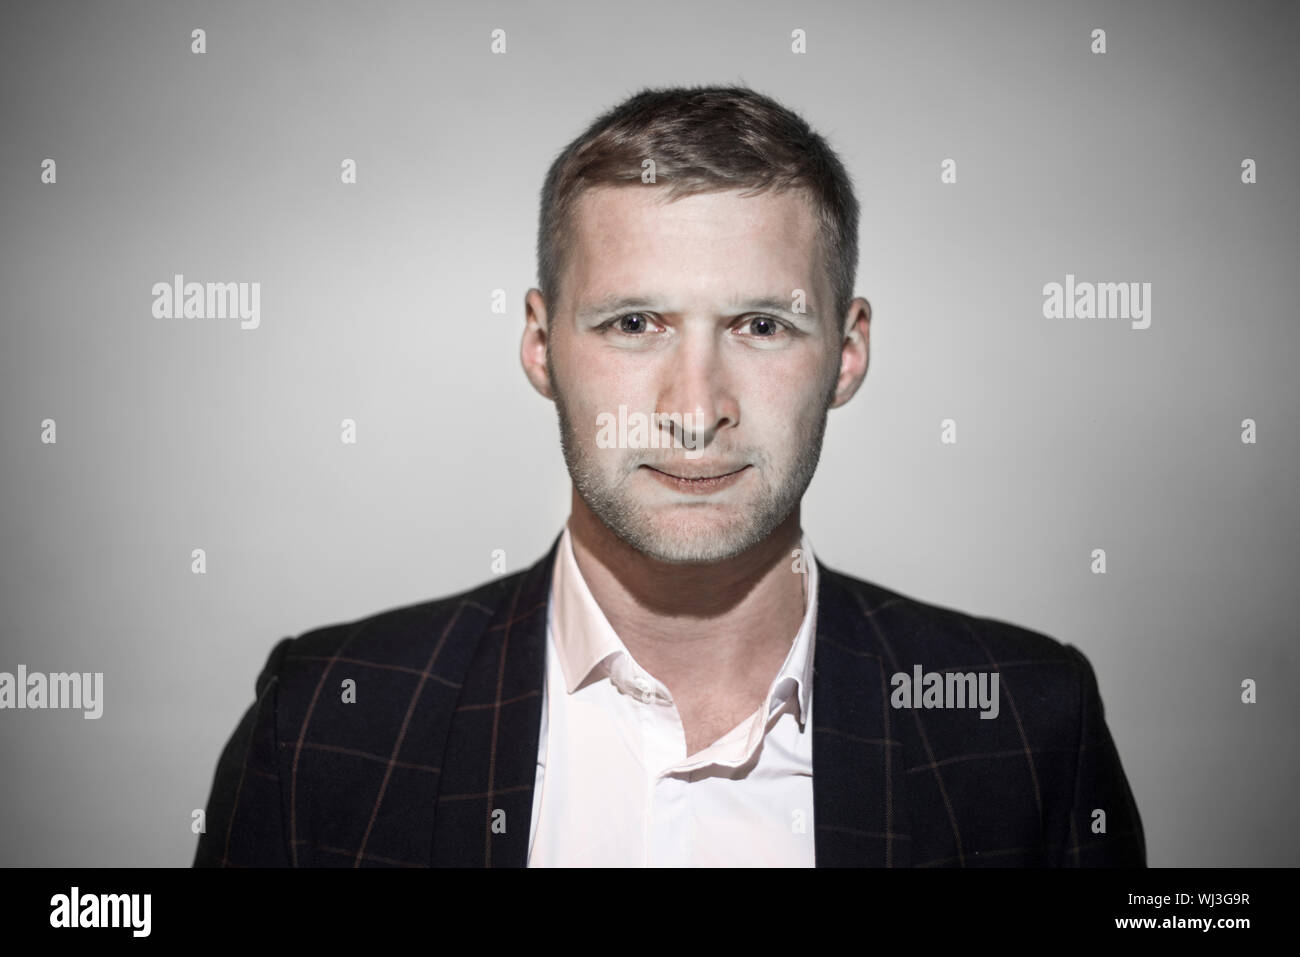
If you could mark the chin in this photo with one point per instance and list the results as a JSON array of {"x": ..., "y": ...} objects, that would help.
[{"x": 693, "y": 539}]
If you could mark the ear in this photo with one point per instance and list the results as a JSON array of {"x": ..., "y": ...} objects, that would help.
[
  {"x": 532, "y": 350},
  {"x": 855, "y": 351}
]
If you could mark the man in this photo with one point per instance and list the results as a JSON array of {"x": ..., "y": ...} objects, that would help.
[{"x": 679, "y": 681}]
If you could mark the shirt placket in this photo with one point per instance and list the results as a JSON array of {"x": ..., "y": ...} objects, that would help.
[{"x": 667, "y": 817}]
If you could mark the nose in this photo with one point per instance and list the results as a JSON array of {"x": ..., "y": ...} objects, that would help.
[{"x": 696, "y": 399}]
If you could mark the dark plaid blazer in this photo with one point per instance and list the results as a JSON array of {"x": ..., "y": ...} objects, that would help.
[{"x": 443, "y": 735}]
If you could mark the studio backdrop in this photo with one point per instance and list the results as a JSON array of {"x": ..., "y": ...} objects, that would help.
[{"x": 1079, "y": 238}]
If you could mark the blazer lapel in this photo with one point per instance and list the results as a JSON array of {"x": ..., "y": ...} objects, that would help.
[
  {"x": 483, "y": 810},
  {"x": 860, "y": 814}
]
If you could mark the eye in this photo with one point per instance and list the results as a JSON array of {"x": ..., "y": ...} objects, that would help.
[
  {"x": 630, "y": 323},
  {"x": 765, "y": 327}
]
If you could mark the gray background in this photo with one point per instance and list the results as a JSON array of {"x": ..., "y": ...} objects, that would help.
[{"x": 177, "y": 434}]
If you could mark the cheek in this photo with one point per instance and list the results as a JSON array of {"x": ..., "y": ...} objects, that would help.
[
  {"x": 777, "y": 421},
  {"x": 787, "y": 396},
  {"x": 599, "y": 382}
]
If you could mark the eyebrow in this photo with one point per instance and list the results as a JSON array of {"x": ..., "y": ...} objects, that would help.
[{"x": 771, "y": 304}]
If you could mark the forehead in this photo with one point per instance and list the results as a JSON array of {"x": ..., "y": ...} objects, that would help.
[{"x": 627, "y": 237}]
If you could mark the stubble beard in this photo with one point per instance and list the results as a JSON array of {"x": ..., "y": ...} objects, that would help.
[{"x": 687, "y": 541}]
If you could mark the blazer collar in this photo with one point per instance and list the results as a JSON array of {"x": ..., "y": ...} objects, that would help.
[{"x": 483, "y": 807}]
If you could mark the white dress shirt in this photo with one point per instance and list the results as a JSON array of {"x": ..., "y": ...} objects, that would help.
[{"x": 614, "y": 786}]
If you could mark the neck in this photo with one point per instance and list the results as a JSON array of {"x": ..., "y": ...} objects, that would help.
[{"x": 719, "y": 627}]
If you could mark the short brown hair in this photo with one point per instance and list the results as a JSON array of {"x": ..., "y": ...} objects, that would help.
[{"x": 702, "y": 139}]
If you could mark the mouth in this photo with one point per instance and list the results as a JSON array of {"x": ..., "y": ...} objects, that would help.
[{"x": 709, "y": 480}]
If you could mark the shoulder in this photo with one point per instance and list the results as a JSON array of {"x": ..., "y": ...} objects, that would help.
[
  {"x": 987, "y": 714},
  {"x": 1048, "y": 678},
  {"x": 434, "y": 639},
  {"x": 913, "y": 624}
]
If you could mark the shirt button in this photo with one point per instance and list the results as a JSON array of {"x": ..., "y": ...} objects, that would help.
[{"x": 643, "y": 686}]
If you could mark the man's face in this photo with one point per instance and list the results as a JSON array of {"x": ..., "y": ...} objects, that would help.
[{"x": 712, "y": 333}]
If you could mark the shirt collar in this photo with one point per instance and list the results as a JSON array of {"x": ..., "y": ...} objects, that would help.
[
  {"x": 583, "y": 635},
  {"x": 585, "y": 639}
]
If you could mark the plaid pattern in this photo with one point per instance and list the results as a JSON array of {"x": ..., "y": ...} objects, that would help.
[{"x": 434, "y": 763}]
